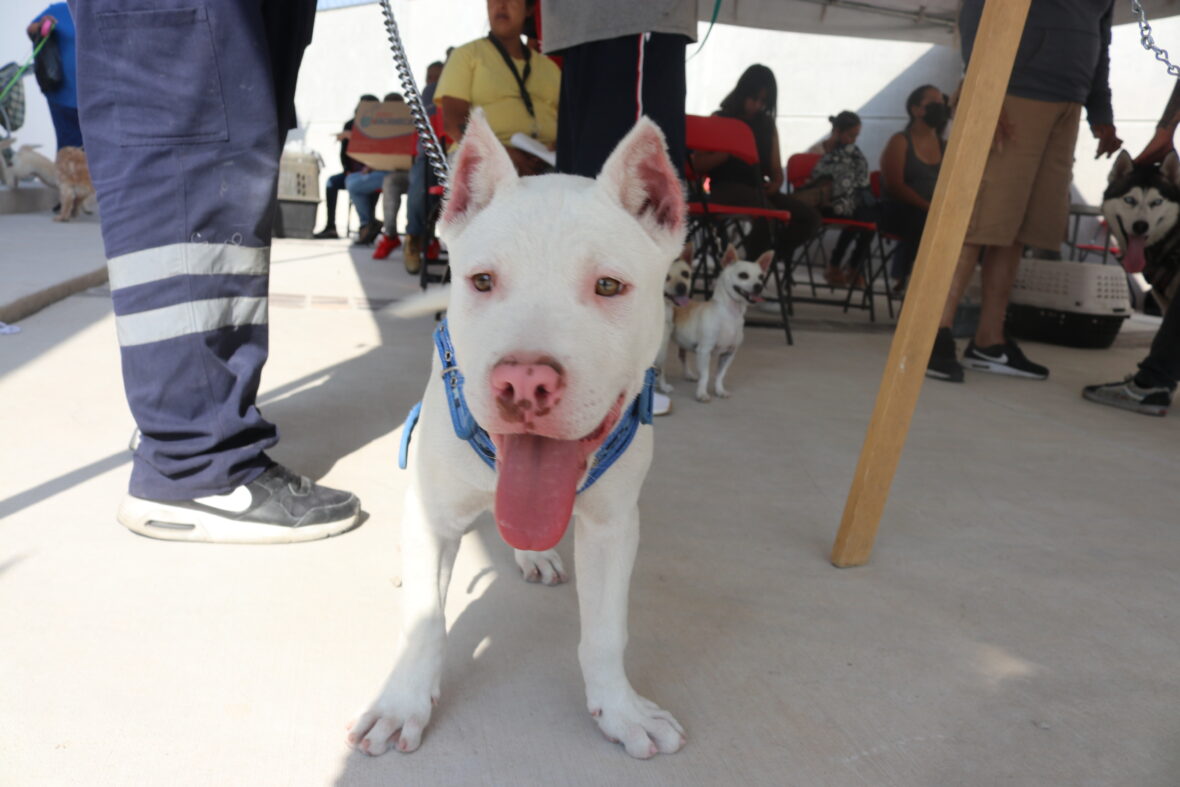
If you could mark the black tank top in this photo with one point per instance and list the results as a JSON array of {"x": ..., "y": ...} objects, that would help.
[{"x": 919, "y": 175}]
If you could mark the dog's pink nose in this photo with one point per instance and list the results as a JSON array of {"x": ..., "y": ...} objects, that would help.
[{"x": 526, "y": 387}]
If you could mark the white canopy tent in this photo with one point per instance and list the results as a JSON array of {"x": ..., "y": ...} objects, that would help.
[{"x": 931, "y": 21}]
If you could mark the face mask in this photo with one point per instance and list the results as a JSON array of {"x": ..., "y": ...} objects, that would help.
[{"x": 936, "y": 115}]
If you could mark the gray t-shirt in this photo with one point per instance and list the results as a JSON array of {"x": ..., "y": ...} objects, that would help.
[{"x": 566, "y": 23}]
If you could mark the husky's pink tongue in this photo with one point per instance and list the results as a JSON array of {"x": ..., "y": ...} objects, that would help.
[
  {"x": 538, "y": 479},
  {"x": 1133, "y": 258}
]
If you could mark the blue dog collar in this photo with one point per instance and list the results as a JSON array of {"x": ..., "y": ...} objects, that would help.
[{"x": 615, "y": 445}]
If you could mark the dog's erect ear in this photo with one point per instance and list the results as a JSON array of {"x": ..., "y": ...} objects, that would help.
[
  {"x": 1123, "y": 164},
  {"x": 481, "y": 167},
  {"x": 686, "y": 253},
  {"x": 1170, "y": 169},
  {"x": 765, "y": 260},
  {"x": 639, "y": 176},
  {"x": 729, "y": 257}
]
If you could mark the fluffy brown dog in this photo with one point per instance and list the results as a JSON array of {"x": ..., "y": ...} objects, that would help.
[{"x": 73, "y": 183}]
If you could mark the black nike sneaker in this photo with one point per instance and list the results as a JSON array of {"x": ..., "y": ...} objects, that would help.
[
  {"x": 278, "y": 507},
  {"x": 943, "y": 364},
  {"x": 1004, "y": 358}
]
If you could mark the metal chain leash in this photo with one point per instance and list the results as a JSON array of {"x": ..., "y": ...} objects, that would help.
[
  {"x": 1148, "y": 42},
  {"x": 428, "y": 142}
]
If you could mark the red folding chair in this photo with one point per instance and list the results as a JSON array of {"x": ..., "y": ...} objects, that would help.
[{"x": 711, "y": 223}]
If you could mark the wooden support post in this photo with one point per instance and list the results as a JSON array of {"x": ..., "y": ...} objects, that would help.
[{"x": 954, "y": 197}]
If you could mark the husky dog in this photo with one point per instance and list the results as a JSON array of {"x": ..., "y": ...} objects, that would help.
[
  {"x": 552, "y": 324},
  {"x": 1141, "y": 206},
  {"x": 715, "y": 326},
  {"x": 677, "y": 285}
]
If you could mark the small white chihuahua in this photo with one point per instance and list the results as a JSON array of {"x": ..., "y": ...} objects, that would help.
[
  {"x": 716, "y": 325},
  {"x": 677, "y": 288}
]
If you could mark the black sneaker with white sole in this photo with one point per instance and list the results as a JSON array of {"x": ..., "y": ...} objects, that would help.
[
  {"x": 1129, "y": 395},
  {"x": 943, "y": 364},
  {"x": 278, "y": 507},
  {"x": 1004, "y": 358}
]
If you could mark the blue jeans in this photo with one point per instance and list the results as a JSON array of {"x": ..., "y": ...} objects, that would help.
[
  {"x": 65, "y": 124},
  {"x": 361, "y": 186},
  {"x": 416, "y": 198}
]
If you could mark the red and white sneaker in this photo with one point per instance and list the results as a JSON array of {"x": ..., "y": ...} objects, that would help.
[{"x": 386, "y": 246}]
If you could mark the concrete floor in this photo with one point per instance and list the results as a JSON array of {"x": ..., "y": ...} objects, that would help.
[{"x": 1018, "y": 623}]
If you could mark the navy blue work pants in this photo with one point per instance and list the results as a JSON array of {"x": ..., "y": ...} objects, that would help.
[{"x": 184, "y": 106}]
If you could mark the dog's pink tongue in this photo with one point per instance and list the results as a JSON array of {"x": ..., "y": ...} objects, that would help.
[
  {"x": 1133, "y": 258},
  {"x": 538, "y": 479}
]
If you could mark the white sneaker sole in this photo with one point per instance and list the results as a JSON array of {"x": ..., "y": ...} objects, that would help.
[
  {"x": 999, "y": 368},
  {"x": 169, "y": 523}
]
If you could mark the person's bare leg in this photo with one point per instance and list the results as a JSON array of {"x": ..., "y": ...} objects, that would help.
[
  {"x": 967, "y": 259},
  {"x": 1000, "y": 264}
]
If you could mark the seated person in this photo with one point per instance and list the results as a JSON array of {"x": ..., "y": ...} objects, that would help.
[
  {"x": 517, "y": 88},
  {"x": 364, "y": 187},
  {"x": 393, "y": 186},
  {"x": 844, "y": 166},
  {"x": 336, "y": 182},
  {"x": 835, "y": 139},
  {"x": 734, "y": 182},
  {"x": 909, "y": 169}
]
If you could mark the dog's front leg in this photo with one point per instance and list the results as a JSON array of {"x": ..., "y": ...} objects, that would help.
[
  {"x": 703, "y": 353},
  {"x": 686, "y": 361},
  {"x": 723, "y": 362},
  {"x": 402, "y": 710},
  {"x": 605, "y": 553}
]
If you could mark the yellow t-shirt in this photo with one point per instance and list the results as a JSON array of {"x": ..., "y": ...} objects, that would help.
[{"x": 476, "y": 73}]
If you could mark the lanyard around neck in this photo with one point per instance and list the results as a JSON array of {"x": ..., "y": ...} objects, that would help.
[{"x": 520, "y": 80}]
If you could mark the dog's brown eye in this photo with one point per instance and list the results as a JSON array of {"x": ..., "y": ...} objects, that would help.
[
  {"x": 482, "y": 282},
  {"x": 608, "y": 288}
]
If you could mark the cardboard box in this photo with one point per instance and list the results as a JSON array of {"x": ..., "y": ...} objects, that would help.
[{"x": 383, "y": 136}]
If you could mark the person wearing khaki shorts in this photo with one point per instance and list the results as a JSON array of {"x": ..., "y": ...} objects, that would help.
[{"x": 1062, "y": 64}]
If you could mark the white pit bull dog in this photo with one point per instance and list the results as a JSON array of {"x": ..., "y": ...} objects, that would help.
[
  {"x": 715, "y": 327},
  {"x": 554, "y": 317}
]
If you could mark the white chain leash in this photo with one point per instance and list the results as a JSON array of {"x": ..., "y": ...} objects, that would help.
[
  {"x": 1148, "y": 41},
  {"x": 428, "y": 142}
]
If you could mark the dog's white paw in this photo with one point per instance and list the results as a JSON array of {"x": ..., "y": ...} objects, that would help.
[
  {"x": 691, "y": 377},
  {"x": 399, "y": 715},
  {"x": 644, "y": 728},
  {"x": 665, "y": 388},
  {"x": 544, "y": 567},
  {"x": 704, "y": 397},
  {"x": 723, "y": 393}
]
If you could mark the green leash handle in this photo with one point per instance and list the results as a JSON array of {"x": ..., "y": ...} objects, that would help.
[{"x": 25, "y": 66}]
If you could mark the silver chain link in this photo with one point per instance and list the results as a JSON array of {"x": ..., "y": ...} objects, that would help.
[
  {"x": 428, "y": 142},
  {"x": 1148, "y": 42}
]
